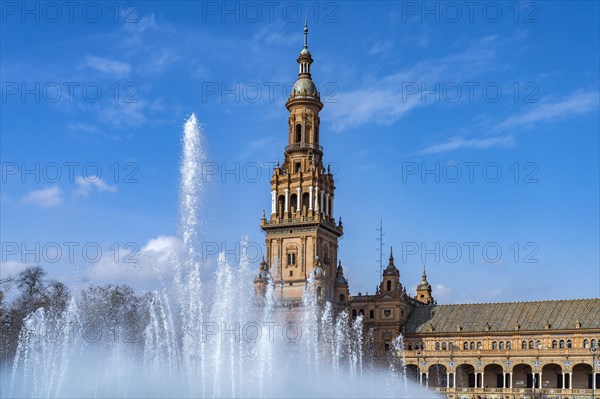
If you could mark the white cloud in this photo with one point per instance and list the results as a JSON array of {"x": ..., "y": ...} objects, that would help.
[
  {"x": 11, "y": 267},
  {"x": 82, "y": 127},
  {"x": 441, "y": 293},
  {"x": 45, "y": 198},
  {"x": 579, "y": 102},
  {"x": 272, "y": 35},
  {"x": 138, "y": 267},
  {"x": 123, "y": 114},
  {"x": 387, "y": 99},
  {"x": 456, "y": 143},
  {"x": 381, "y": 47},
  {"x": 85, "y": 185},
  {"x": 547, "y": 111},
  {"x": 114, "y": 68}
]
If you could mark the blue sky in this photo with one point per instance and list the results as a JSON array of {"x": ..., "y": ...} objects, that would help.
[{"x": 500, "y": 103}]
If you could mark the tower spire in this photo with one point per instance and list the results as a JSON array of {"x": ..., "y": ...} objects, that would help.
[{"x": 305, "y": 34}]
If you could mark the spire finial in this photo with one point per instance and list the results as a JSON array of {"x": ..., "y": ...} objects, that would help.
[
  {"x": 305, "y": 34},
  {"x": 392, "y": 253}
]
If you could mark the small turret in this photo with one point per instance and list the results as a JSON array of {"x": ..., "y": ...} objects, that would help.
[
  {"x": 424, "y": 290},
  {"x": 391, "y": 277}
]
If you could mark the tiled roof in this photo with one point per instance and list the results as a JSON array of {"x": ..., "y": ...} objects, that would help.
[{"x": 560, "y": 315}]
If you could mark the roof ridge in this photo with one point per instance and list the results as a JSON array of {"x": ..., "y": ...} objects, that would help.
[{"x": 538, "y": 301}]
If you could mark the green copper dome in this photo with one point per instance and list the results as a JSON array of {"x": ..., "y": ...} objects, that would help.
[{"x": 304, "y": 87}]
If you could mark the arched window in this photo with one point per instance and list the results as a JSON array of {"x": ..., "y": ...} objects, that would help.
[
  {"x": 593, "y": 343},
  {"x": 305, "y": 202},
  {"x": 298, "y": 136},
  {"x": 389, "y": 285},
  {"x": 472, "y": 345},
  {"x": 361, "y": 312},
  {"x": 494, "y": 345},
  {"x": 293, "y": 203},
  {"x": 562, "y": 344},
  {"x": 501, "y": 345},
  {"x": 531, "y": 345},
  {"x": 524, "y": 345},
  {"x": 554, "y": 344},
  {"x": 416, "y": 345},
  {"x": 437, "y": 346},
  {"x": 465, "y": 345},
  {"x": 586, "y": 344},
  {"x": 538, "y": 344},
  {"x": 451, "y": 346},
  {"x": 342, "y": 298},
  {"x": 508, "y": 345},
  {"x": 409, "y": 346},
  {"x": 569, "y": 344},
  {"x": 479, "y": 345},
  {"x": 444, "y": 346},
  {"x": 280, "y": 205},
  {"x": 354, "y": 313}
]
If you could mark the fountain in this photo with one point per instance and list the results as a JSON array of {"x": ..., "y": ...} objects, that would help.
[{"x": 202, "y": 339}]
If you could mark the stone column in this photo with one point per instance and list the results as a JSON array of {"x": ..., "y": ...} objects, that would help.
[
  {"x": 298, "y": 199},
  {"x": 317, "y": 199},
  {"x": 332, "y": 206},
  {"x": 273, "y": 201},
  {"x": 322, "y": 195},
  {"x": 327, "y": 204},
  {"x": 310, "y": 198},
  {"x": 287, "y": 200},
  {"x": 448, "y": 380}
]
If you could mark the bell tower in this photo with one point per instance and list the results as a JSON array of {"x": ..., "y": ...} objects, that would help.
[
  {"x": 424, "y": 290},
  {"x": 301, "y": 231}
]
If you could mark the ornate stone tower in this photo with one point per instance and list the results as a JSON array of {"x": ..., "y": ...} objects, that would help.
[
  {"x": 424, "y": 290},
  {"x": 301, "y": 232}
]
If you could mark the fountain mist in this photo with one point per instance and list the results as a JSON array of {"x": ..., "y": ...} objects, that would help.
[{"x": 202, "y": 339}]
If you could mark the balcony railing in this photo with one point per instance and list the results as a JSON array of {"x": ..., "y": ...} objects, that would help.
[
  {"x": 303, "y": 219},
  {"x": 505, "y": 352},
  {"x": 516, "y": 392},
  {"x": 303, "y": 146}
]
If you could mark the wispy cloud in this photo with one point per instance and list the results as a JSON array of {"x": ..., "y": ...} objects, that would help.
[
  {"x": 381, "y": 47},
  {"x": 11, "y": 267},
  {"x": 577, "y": 103},
  {"x": 548, "y": 110},
  {"x": 456, "y": 143},
  {"x": 86, "y": 185},
  {"x": 113, "y": 68},
  {"x": 272, "y": 35},
  {"x": 45, "y": 198},
  {"x": 139, "y": 268},
  {"x": 123, "y": 114},
  {"x": 387, "y": 99}
]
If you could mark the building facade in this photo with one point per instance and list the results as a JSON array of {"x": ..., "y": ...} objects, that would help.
[{"x": 494, "y": 350}]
